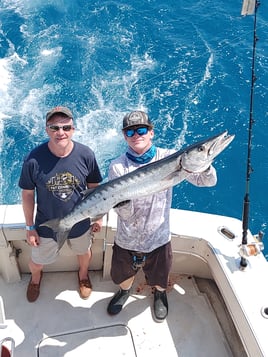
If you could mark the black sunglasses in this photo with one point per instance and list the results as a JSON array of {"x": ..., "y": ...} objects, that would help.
[
  {"x": 142, "y": 130},
  {"x": 58, "y": 127}
]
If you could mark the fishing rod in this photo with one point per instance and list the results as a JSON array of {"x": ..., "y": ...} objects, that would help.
[{"x": 249, "y": 7}]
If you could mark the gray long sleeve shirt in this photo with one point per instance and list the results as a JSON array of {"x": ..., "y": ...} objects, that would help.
[{"x": 143, "y": 224}]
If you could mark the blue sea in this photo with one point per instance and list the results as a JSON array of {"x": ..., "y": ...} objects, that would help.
[{"x": 187, "y": 63}]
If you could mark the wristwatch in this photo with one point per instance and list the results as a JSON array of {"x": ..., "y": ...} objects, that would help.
[{"x": 30, "y": 228}]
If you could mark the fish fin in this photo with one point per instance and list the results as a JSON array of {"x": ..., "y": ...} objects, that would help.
[
  {"x": 87, "y": 192},
  {"x": 61, "y": 238},
  {"x": 121, "y": 204},
  {"x": 52, "y": 223}
]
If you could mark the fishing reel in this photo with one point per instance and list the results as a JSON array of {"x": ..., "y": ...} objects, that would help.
[{"x": 254, "y": 248}]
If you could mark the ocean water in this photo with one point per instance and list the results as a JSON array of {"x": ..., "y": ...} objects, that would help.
[{"x": 188, "y": 64}]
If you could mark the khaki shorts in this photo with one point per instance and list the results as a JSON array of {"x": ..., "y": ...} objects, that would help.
[{"x": 47, "y": 251}]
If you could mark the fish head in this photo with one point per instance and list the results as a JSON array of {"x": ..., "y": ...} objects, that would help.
[{"x": 198, "y": 157}]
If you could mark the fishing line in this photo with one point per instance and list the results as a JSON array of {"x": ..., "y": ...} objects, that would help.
[{"x": 249, "y": 170}]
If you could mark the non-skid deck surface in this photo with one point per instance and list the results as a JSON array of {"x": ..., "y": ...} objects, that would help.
[{"x": 59, "y": 323}]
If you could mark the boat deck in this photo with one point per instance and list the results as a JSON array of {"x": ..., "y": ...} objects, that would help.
[
  {"x": 208, "y": 295},
  {"x": 60, "y": 323}
]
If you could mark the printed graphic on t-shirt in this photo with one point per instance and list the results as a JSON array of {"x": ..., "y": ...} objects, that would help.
[{"x": 62, "y": 185}]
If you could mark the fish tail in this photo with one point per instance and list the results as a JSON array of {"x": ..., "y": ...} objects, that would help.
[{"x": 61, "y": 236}]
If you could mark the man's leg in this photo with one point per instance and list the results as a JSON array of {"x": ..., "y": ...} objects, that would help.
[
  {"x": 36, "y": 270},
  {"x": 120, "y": 298},
  {"x": 160, "y": 257},
  {"x": 121, "y": 265},
  {"x": 83, "y": 261},
  {"x": 81, "y": 246},
  {"x": 45, "y": 253},
  {"x": 33, "y": 289}
]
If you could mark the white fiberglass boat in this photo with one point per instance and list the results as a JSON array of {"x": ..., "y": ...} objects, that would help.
[{"x": 216, "y": 308}]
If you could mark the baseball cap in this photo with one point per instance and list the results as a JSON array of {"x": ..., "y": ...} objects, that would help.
[
  {"x": 136, "y": 118},
  {"x": 56, "y": 110}
]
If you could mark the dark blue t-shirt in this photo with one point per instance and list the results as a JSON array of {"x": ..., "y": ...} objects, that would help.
[{"x": 58, "y": 183}]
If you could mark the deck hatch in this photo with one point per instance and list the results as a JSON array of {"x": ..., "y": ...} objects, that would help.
[{"x": 99, "y": 341}]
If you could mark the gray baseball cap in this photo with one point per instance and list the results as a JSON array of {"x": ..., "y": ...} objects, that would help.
[
  {"x": 136, "y": 118},
  {"x": 57, "y": 110}
]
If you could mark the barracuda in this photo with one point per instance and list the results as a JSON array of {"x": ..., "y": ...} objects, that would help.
[{"x": 146, "y": 180}]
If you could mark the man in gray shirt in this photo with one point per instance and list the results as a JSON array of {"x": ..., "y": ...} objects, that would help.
[{"x": 143, "y": 230}]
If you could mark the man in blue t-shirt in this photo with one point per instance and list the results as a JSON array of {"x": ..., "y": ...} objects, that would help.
[{"x": 56, "y": 172}]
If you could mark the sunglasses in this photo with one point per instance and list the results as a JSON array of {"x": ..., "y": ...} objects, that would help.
[
  {"x": 58, "y": 127},
  {"x": 142, "y": 130}
]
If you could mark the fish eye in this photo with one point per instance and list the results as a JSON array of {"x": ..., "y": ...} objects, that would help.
[{"x": 201, "y": 148}]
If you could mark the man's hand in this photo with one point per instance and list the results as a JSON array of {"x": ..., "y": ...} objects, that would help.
[
  {"x": 32, "y": 238},
  {"x": 96, "y": 227}
]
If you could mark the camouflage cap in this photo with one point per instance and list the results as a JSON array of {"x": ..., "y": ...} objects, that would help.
[{"x": 136, "y": 118}]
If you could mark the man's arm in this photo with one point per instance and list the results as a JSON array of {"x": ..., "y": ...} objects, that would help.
[
  {"x": 28, "y": 206},
  {"x": 207, "y": 178},
  {"x": 28, "y": 202}
]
